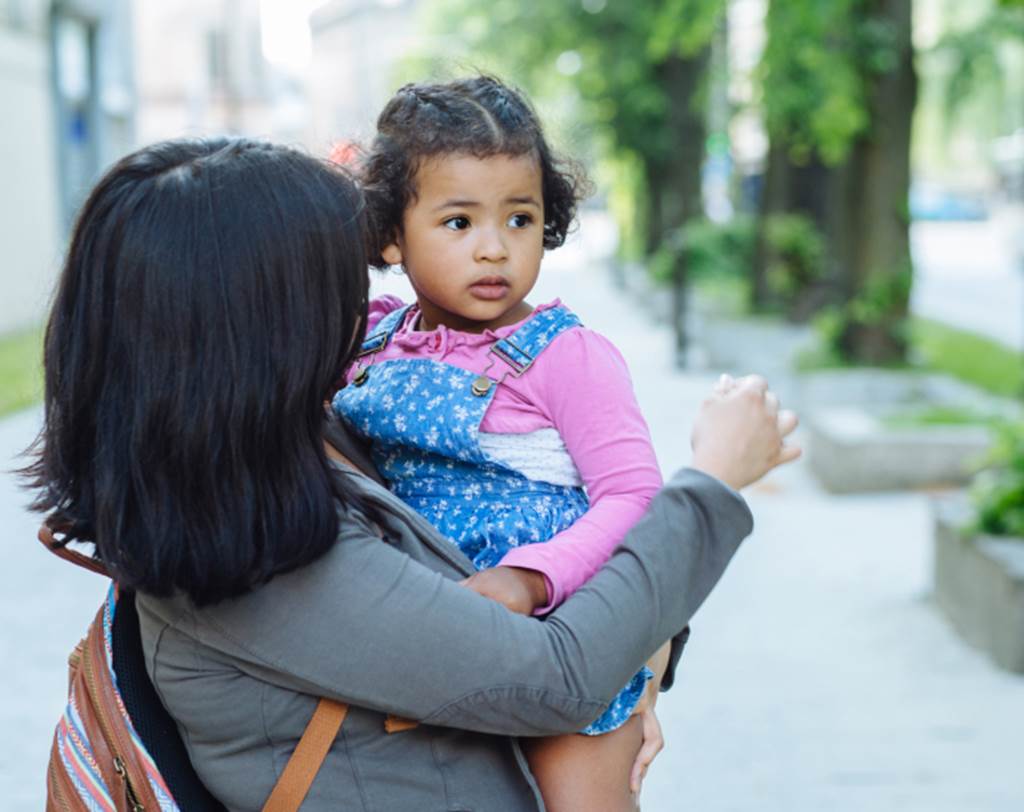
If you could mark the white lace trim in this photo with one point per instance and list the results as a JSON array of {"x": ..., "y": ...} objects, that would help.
[{"x": 539, "y": 455}]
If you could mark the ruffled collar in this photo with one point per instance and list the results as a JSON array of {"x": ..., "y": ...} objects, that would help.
[{"x": 406, "y": 336}]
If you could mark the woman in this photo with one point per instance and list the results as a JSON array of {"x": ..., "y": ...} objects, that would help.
[{"x": 213, "y": 294}]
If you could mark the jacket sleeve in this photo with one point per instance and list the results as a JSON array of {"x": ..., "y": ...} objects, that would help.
[{"x": 369, "y": 625}]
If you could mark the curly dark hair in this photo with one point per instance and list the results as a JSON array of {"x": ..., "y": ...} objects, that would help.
[{"x": 479, "y": 116}]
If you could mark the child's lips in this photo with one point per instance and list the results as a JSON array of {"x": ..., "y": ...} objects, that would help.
[{"x": 489, "y": 287}]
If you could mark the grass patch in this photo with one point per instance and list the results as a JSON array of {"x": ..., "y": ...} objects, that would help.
[
  {"x": 21, "y": 369},
  {"x": 936, "y": 416},
  {"x": 937, "y": 347},
  {"x": 972, "y": 358},
  {"x": 819, "y": 357}
]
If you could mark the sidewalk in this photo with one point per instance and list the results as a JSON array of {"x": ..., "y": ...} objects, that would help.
[
  {"x": 819, "y": 675},
  {"x": 46, "y": 606}
]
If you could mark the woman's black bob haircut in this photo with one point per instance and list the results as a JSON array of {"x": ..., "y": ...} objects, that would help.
[
  {"x": 213, "y": 293},
  {"x": 478, "y": 116}
]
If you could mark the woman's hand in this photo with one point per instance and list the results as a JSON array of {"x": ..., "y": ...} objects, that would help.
[
  {"x": 520, "y": 590},
  {"x": 739, "y": 433}
]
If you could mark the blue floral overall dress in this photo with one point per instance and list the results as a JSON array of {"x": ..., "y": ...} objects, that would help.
[{"x": 422, "y": 418}]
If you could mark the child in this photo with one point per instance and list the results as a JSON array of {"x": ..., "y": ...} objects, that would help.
[{"x": 510, "y": 427}]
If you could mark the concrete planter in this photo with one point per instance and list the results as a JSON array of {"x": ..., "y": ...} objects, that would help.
[
  {"x": 979, "y": 585},
  {"x": 743, "y": 344},
  {"x": 851, "y": 450},
  {"x": 852, "y": 447}
]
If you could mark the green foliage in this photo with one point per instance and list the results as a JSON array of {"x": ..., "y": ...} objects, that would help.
[
  {"x": 21, "y": 375},
  {"x": 872, "y": 309},
  {"x": 610, "y": 57},
  {"x": 881, "y": 294},
  {"x": 973, "y": 59},
  {"x": 813, "y": 92},
  {"x": 998, "y": 492},
  {"x": 978, "y": 360},
  {"x": 681, "y": 26},
  {"x": 705, "y": 250},
  {"x": 797, "y": 250},
  {"x": 816, "y": 73}
]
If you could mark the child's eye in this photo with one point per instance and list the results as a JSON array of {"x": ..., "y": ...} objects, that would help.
[
  {"x": 520, "y": 220},
  {"x": 457, "y": 223}
]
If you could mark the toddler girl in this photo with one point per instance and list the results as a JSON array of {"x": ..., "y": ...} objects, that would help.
[{"x": 510, "y": 427}]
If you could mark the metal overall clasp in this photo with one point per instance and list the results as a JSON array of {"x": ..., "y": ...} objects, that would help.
[{"x": 506, "y": 351}]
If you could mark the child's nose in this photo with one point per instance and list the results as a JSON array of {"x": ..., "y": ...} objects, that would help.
[{"x": 490, "y": 246}]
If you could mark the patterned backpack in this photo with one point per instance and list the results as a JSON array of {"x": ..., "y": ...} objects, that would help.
[{"x": 116, "y": 749}]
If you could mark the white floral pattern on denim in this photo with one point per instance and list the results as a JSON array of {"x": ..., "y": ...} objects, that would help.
[{"x": 424, "y": 425}]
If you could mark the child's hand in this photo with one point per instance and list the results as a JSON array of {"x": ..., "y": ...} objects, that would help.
[{"x": 518, "y": 589}]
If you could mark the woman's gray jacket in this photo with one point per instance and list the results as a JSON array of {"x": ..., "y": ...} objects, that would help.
[{"x": 384, "y": 626}]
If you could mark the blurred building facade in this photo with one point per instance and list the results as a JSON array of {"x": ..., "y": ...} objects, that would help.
[
  {"x": 65, "y": 85},
  {"x": 357, "y": 46},
  {"x": 214, "y": 79}
]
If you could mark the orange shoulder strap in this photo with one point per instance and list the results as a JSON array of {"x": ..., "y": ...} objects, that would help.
[
  {"x": 302, "y": 767},
  {"x": 293, "y": 785}
]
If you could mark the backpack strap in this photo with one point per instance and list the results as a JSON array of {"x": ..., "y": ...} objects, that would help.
[
  {"x": 309, "y": 755},
  {"x": 61, "y": 550}
]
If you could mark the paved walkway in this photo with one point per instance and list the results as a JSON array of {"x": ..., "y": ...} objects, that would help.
[
  {"x": 971, "y": 274},
  {"x": 819, "y": 674}
]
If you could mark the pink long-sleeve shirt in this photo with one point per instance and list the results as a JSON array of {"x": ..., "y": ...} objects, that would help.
[{"x": 580, "y": 386}]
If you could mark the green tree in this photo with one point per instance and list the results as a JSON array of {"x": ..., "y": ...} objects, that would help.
[
  {"x": 839, "y": 94},
  {"x": 638, "y": 68},
  {"x": 976, "y": 59}
]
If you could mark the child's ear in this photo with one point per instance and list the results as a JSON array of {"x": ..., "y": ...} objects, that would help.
[{"x": 392, "y": 254}]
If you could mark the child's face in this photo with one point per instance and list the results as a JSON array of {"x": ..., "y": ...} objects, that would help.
[{"x": 472, "y": 240}]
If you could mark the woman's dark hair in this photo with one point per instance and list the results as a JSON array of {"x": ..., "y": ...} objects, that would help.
[
  {"x": 213, "y": 293},
  {"x": 479, "y": 116}
]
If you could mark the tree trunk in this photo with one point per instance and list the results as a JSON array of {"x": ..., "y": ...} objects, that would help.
[
  {"x": 877, "y": 186},
  {"x": 653, "y": 211},
  {"x": 676, "y": 176},
  {"x": 682, "y": 79},
  {"x": 774, "y": 199}
]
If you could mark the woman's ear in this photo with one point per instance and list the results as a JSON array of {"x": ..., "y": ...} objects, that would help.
[{"x": 392, "y": 254}]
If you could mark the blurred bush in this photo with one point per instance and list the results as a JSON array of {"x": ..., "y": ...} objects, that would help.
[
  {"x": 998, "y": 492},
  {"x": 702, "y": 250},
  {"x": 796, "y": 265}
]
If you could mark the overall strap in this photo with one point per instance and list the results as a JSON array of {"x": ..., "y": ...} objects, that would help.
[
  {"x": 381, "y": 334},
  {"x": 519, "y": 350}
]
